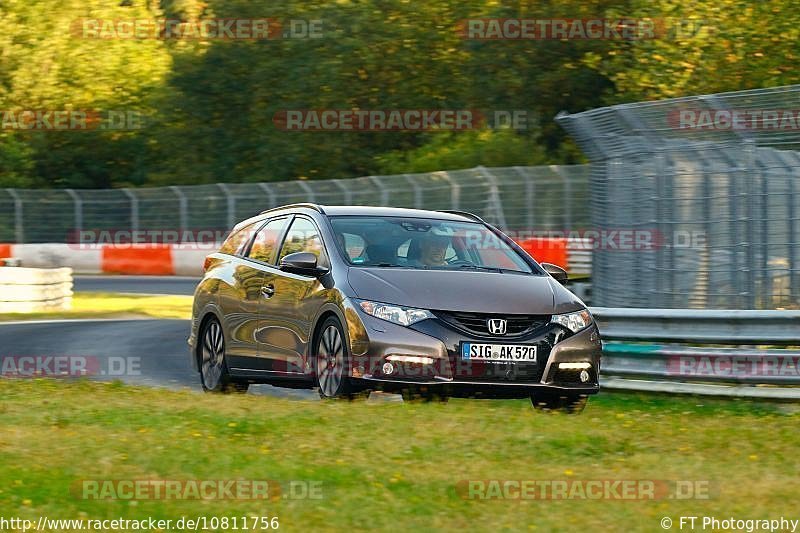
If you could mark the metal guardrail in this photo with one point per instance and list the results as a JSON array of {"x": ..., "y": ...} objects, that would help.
[{"x": 708, "y": 352}]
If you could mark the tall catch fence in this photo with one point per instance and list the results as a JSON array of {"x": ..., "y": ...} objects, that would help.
[{"x": 714, "y": 179}]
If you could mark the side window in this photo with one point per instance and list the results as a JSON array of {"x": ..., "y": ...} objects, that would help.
[
  {"x": 233, "y": 244},
  {"x": 265, "y": 243},
  {"x": 302, "y": 237}
]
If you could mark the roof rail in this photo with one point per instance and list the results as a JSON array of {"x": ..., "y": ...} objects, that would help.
[
  {"x": 467, "y": 214},
  {"x": 308, "y": 205}
]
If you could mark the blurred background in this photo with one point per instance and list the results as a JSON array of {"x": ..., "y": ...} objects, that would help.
[{"x": 188, "y": 130}]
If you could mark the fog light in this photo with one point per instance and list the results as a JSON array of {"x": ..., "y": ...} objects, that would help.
[
  {"x": 574, "y": 366},
  {"x": 388, "y": 369},
  {"x": 584, "y": 376}
]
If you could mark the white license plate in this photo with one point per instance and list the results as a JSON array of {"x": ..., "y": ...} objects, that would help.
[{"x": 505, "y": 353}]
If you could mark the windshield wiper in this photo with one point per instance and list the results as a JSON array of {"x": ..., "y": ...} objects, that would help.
[{"x": 479, "y": 267}]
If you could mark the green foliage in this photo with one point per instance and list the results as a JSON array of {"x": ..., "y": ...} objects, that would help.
[
  {"x": 210, "y": 105},
  {"x": 708, "y": 46},
  {"x": 465, "y": 150}
]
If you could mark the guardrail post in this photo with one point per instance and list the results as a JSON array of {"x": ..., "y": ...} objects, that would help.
[
  {"x": 455, "y": 188},
  {"x": 310, "y": 196},
  {"x": 766, "y": 292},
  {"x": 78, "y": 203},
  {"x": 417, "y": 191},
  {"x": 19, "y": 228},
  {"x": 134, "y": 208},
  {"x": 566, "y": 197},
  {"x": 530, "y": 190},
  {"x": 749, "y": 197},
  {"x": 495, "y": 204},
  {"x": 273, "y": 202},
  {"x": 382, "y": 187},
  {"x": 346, "y": 192},
  {"x": 794, "y": 275},
  {"x": 231, "y": 202},
  {"x": 183, "y": 208}
]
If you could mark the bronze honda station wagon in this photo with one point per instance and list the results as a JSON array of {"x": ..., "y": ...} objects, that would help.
[{"x": 431, "y": 304}]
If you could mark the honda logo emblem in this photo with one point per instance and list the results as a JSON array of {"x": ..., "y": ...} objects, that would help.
[{"x": 497, "y": 326}]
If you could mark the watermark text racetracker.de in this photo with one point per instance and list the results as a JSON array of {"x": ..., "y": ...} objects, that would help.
[
  {"x": 54, "y": 366},
  {"x": 71, "y": 120},
  {"x": 196, "y": 489},
  {"x": 584, "y": 489},
  {"x": 225, "y": 29},
  {"x": 400, "y": 120},
  {"x": 570, "y": 29},
  {"x": 208, "y": 239},
  {"x": 734, "y": 119},
  {"x": 734, "y": 365}
]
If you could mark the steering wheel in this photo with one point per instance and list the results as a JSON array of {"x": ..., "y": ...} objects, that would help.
[{"x": 457, "y": 262}]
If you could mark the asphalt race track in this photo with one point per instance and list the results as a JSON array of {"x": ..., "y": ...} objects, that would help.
[
  {"x": 140, "y": 352},
  {"x": 136, "y": 284}
]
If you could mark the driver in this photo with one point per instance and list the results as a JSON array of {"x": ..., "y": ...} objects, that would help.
[{"x": 433, "y": 248}]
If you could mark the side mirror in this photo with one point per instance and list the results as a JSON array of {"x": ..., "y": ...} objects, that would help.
[
  {"x": 304, "y": 263},
  {"x": 558, "y": 273}
]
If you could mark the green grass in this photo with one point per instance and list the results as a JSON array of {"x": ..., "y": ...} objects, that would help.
[
  {"x": 110, "y": 305},
  {"x": 391, "y": 466}
]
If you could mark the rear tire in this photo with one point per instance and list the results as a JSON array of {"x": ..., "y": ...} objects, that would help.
[
  {"x": 214, "y": 375},
  {"x": 331, "y": 362},
  {"x": 565, "y": 403}
]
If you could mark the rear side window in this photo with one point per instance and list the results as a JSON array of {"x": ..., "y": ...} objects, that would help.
[
  {"x": 265, "y": 244},
  {"x": 237, "y": 240}
]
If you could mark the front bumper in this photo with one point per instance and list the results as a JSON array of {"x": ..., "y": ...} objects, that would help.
[{"x": 437, "y": 344}]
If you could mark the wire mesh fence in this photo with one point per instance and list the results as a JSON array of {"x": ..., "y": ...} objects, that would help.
[
  {"x": 514, "y": 198},
  {"x": 714, "y": 178}
]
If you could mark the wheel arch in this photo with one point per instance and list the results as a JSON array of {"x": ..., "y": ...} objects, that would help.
[{"x": 208, "y": 314}]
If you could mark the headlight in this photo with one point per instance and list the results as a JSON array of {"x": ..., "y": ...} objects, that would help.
[
  {"x": 574, "y": 321},
  {"x": 404, "y": 316}
]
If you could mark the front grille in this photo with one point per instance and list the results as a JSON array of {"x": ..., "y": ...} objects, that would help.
[{"x": 477, "y": 323}]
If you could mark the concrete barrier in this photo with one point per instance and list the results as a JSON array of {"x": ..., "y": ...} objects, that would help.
[
  {"x": 55, "y": 255},
  {"x": 145, "y": 259},
  {"x": 187, "y": 259},
  {"x": 28, "y": 290}
]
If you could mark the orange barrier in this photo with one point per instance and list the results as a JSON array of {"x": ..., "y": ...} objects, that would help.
[
  {"x": 150, "y": 259},
  {"x": 547, "y": 250},
  {"x": 185, "y": 260}
]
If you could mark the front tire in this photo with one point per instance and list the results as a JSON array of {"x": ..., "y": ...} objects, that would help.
[
  {"x": 214, "y": 375},
  {"x": 331, "y": 360},
  {"x": 565, "y": 403}
]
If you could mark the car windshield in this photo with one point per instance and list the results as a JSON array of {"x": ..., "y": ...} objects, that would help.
[{"x": 392, "y": 242}]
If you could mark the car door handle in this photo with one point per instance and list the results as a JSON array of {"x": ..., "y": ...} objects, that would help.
[{"x": 268, "y": 290}]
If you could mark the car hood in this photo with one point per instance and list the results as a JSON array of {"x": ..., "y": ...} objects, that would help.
[{"x": 469, "y": 291}]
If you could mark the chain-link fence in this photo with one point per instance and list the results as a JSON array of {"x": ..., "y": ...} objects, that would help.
[
  {"x": 714, "y": 180},
  {"x": 514, "y": 198}
]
